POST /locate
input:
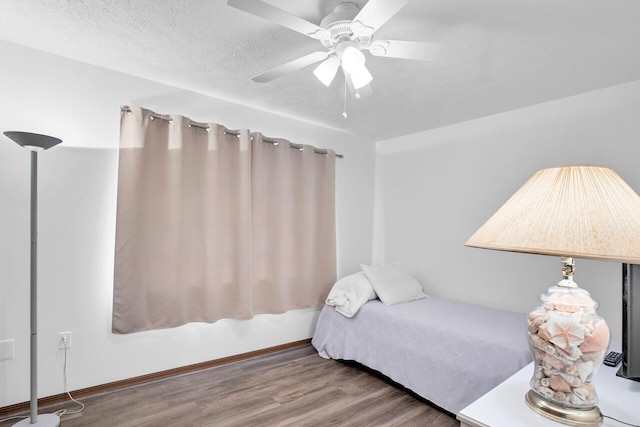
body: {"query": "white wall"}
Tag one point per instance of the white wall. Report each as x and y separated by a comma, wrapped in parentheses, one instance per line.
(434, 189)
(81, 105)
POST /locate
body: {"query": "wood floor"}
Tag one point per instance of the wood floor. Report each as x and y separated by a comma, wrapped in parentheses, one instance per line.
(290, 388)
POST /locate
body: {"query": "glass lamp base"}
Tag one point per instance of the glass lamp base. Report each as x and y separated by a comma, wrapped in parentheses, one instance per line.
(565, 415)
(568, 340)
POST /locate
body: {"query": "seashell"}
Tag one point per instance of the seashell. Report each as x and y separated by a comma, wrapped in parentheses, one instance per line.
(567, 308)
(546, 392)
(571, 370)
(567, 377)
(563, 358)
(554, 368)
(598, 340)
(538, 313)
(581, 392)
(565, 332)
(575, 400)
(579, 301)
(544, 382)
(590, 322)
(585, 393)
(584, 369)
(575, 382)
(571, 353)
(561, 397)
(559, 384)
(543, 332)
(560, 364)
(592, 393)
(564, 302)
(538, 343)
(576, 317)
(535, 323)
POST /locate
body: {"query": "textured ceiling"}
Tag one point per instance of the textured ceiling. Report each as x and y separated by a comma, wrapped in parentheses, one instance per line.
(517, 53)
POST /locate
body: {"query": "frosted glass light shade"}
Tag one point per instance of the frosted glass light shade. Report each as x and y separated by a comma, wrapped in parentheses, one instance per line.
(573, 211)
(326, 71)
(352, 59)
(361, 78)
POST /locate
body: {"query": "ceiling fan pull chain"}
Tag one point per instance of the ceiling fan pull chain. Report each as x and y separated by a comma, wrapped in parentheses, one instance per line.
(344, 112)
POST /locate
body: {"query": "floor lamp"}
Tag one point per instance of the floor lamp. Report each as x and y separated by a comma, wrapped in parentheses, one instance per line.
(35, 143)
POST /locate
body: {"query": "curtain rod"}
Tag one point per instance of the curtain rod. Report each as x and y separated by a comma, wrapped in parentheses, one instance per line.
(207, 128)
(275, 141)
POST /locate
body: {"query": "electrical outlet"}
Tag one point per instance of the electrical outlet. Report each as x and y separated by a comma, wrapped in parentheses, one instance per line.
(64, 340)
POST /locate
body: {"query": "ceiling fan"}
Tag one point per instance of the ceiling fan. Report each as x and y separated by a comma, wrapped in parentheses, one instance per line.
(345, 33)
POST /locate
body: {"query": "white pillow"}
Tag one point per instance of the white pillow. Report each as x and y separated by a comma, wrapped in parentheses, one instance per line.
(350, 293)
(392, 284)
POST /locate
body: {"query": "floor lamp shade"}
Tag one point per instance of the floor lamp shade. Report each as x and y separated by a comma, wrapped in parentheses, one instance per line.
(571, 212)
(34, 142)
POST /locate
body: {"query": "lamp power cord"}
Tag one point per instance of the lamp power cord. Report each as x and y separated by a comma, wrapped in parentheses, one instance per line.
(65, 411)
(621, 422)
(60, 412)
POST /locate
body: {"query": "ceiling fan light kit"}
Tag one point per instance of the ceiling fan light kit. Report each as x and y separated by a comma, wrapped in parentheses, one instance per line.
(345, 34)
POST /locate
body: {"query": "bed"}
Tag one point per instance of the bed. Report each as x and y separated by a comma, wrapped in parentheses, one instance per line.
(449, 353)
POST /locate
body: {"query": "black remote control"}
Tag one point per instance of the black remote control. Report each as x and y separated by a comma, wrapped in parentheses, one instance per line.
(613, 358)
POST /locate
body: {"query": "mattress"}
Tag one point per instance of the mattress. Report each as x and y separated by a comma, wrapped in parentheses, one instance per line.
(447, 352)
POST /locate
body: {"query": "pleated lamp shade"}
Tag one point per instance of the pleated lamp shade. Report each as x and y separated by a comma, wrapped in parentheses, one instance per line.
(574, 211)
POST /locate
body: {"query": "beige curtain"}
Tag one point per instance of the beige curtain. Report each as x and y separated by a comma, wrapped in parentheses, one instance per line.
(293, 216)
(211, 225)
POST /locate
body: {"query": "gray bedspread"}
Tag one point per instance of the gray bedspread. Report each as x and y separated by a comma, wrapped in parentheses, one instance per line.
(448, 352)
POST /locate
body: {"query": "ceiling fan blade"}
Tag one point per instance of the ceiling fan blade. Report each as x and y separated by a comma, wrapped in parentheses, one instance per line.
(290, 67)
(281, 17)
(422, 51)
(374, 14)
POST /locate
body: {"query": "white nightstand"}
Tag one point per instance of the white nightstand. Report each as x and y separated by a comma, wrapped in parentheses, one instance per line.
(504, 406)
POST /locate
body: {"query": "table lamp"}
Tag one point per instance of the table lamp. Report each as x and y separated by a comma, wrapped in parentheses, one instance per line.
(571, 212)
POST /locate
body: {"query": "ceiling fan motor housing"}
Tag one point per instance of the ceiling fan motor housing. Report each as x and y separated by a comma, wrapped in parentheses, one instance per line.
(338, 23)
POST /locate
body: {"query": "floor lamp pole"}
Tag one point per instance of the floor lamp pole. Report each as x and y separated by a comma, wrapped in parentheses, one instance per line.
(34, 288)
(34, 143)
